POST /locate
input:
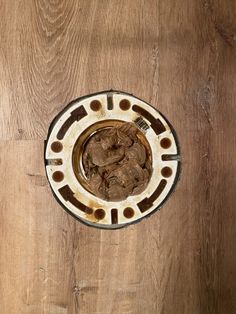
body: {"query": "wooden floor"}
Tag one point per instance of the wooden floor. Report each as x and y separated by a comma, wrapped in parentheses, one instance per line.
(181, 57)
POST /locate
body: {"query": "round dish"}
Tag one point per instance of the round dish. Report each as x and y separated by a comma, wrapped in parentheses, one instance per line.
(70, 131)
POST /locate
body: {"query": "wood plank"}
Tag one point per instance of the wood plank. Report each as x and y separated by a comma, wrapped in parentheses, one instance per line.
(36, 235)
(70, 49)
(197, 66)
(181, 57)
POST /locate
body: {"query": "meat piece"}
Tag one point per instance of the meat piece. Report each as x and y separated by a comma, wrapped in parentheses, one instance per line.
(116, 163)
(97, 185)
(102, 157)
(106, 170)
(123, 174)
(95, 182)
(129, 129)
(114, 155)
(140, 188)
(142, 183)
(123, 139)
(116, 192)
(108, 138)
(148, 165)
(137, 152)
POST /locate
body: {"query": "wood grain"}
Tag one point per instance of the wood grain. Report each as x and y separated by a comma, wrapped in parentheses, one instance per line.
(181, 57)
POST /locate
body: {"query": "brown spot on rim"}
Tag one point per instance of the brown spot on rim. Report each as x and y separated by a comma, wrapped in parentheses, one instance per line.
(99, 213)
(95, 105)
(166, 172)
(57, 176)
(125, 104)
(128, 212)
(165, 143)
(56, 147)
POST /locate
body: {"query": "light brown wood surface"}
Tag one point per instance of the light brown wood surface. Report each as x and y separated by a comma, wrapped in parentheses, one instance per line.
(181, 57)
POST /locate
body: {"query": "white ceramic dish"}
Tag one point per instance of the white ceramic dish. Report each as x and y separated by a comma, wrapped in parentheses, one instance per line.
(64, 146)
